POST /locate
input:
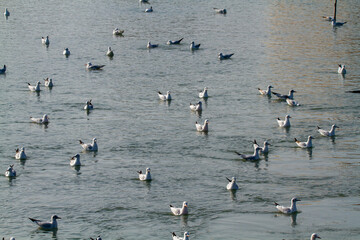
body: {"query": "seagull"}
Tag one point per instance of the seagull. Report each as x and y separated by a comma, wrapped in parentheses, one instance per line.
(204, 93)
(330, 133)
(292, 102)
(75, 160)
(196, 107)
(149, 9)
(193, 46)
(255, 156)
(307, 144)
(89, 146)
(174, 42)
(47, 225)
(186, 236)
(44, 119)
(144, 1)
(220, 10)
(166, 96)
(264, 149)
(98, 238)
(341, 69)
(204, 127)
(146, 176)
(327, 18)
(109, 52)
(267, 91)
(89, 66)
(221, 56)
(10, 172)
(20, 154)
(232, 184)
(149, 45)
(88, 105)
(180, 211)
(6, 13)
(334, 23)
(314, 236)
(3, 70)
(66, 52)
(45, 41)
(288, 210)
(48, 83)
(283, 97)
(118, 32)
(35, 88)
(284, 123)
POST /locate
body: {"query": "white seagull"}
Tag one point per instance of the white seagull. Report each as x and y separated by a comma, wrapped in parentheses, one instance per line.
(284, 123)
(292, 102)
(314, 236)
(288, 210)
(341, 69)
(149, 9)
(220, 10)
(88, 105)
(6, 13)
(118, 32)
(48, 83)
(10, 172)
(89, 146)
(202, 127)
(193, 46)
(204, 93)
(174, 42)
(186, 236)
(149, 45)
(89, 66)
(221, 56)
(283, 97)
(266, 92)
(75, 160)
(45, 41)
(232, 184)
(330, 133)
(35, 88)
(180, 211)
(166, 96)
(146, 176)
(44, 119)
(3, 70)
(109, 52)
(66, 52)
(307, 144)
(264, 149)
(255, 156)
(20, 154)
(196, 107)
(47, 225)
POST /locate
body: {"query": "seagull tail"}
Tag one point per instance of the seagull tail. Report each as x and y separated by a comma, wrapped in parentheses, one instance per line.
(237, 153)
(318, 127)
(228, 179)
(171, 205)
(295, 140)
(81, 142)
(173, 234)
(276, 204)
(33, 219)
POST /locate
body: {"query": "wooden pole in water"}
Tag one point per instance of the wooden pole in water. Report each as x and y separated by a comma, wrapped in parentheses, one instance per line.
(335, 10)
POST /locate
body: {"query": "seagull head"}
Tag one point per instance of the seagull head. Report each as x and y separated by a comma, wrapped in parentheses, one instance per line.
(94, 140)
(233, 179)
(199, 102)
(270, 86)
(205, 88)
(293, 200)
(310, 137)
(292, 91)
(147, 170)
(185, 204)
(287, 116)
(77, 156)
(54, 217)
(168, 92)
(267, 143)
(22, 149)
(314, 236)
(334, 126)
(206, 121)
(89, 64)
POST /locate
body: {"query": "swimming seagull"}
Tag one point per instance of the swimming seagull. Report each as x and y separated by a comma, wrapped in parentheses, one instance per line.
(284, 123)
(98, 238)
(66, 52)
(75, 160)
(283, 96)
(221, 56)
(118, 32)
(149, 9)
(20, 154)
(232, 184)
(89, 146)
(89, 66)
(10, 172)
(109, 52)
(202, 127)
(48, 83)
(174, 42)
(267, 91)
(45, 41)
(292, 102)
(3, 70)
(220, 10)
(264, 149)
(47, 225)
(194, 47)
(196, 107)
(288, 210)
(146, 176)
(149, 45)
(44, 119)
(314, 236)
(186, 236)
(330, 133)
(6, 13)
(204, 93)
(180, 211)
(255, 156)
(35, 88)
(307, 144)
(166, 96)
(88, 105)
(341, 69)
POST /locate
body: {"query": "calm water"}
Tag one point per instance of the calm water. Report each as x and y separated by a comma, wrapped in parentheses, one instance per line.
(282, 43)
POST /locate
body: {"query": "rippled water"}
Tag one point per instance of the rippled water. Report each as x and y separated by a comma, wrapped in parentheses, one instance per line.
(282, 43)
